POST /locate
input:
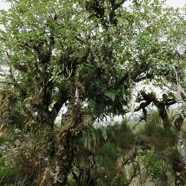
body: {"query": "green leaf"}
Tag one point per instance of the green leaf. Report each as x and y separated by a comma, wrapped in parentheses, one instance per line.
(111, 95)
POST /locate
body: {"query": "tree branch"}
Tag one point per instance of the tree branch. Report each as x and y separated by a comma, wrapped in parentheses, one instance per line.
(9, 83)
(116, 6)
(112, 14)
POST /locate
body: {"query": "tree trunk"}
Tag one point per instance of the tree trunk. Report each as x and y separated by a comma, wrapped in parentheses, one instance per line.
(179, 165)
(57, 172)
(179, 169)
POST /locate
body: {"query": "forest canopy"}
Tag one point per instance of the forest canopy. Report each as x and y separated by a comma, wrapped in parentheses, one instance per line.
(66, 65)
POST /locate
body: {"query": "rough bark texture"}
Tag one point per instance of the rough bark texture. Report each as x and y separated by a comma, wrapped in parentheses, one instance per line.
(179, 165)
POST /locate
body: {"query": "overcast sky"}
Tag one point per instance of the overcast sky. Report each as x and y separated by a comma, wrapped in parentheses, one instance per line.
(174, 3)
(4, 5)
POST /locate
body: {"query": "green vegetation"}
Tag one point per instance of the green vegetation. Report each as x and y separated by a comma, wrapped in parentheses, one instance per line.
(68, 66)
(7, 173)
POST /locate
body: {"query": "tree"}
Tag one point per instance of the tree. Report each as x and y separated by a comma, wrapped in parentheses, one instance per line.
(85, 56)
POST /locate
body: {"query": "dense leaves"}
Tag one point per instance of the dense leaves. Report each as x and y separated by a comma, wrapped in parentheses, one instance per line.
(69, 64)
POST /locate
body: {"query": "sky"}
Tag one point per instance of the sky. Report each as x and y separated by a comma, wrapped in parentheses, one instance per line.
(4, 5)
(173, 3)
(176, 3)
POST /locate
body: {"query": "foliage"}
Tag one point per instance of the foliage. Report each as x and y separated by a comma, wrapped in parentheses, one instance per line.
(77, 62)
(7, 173)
